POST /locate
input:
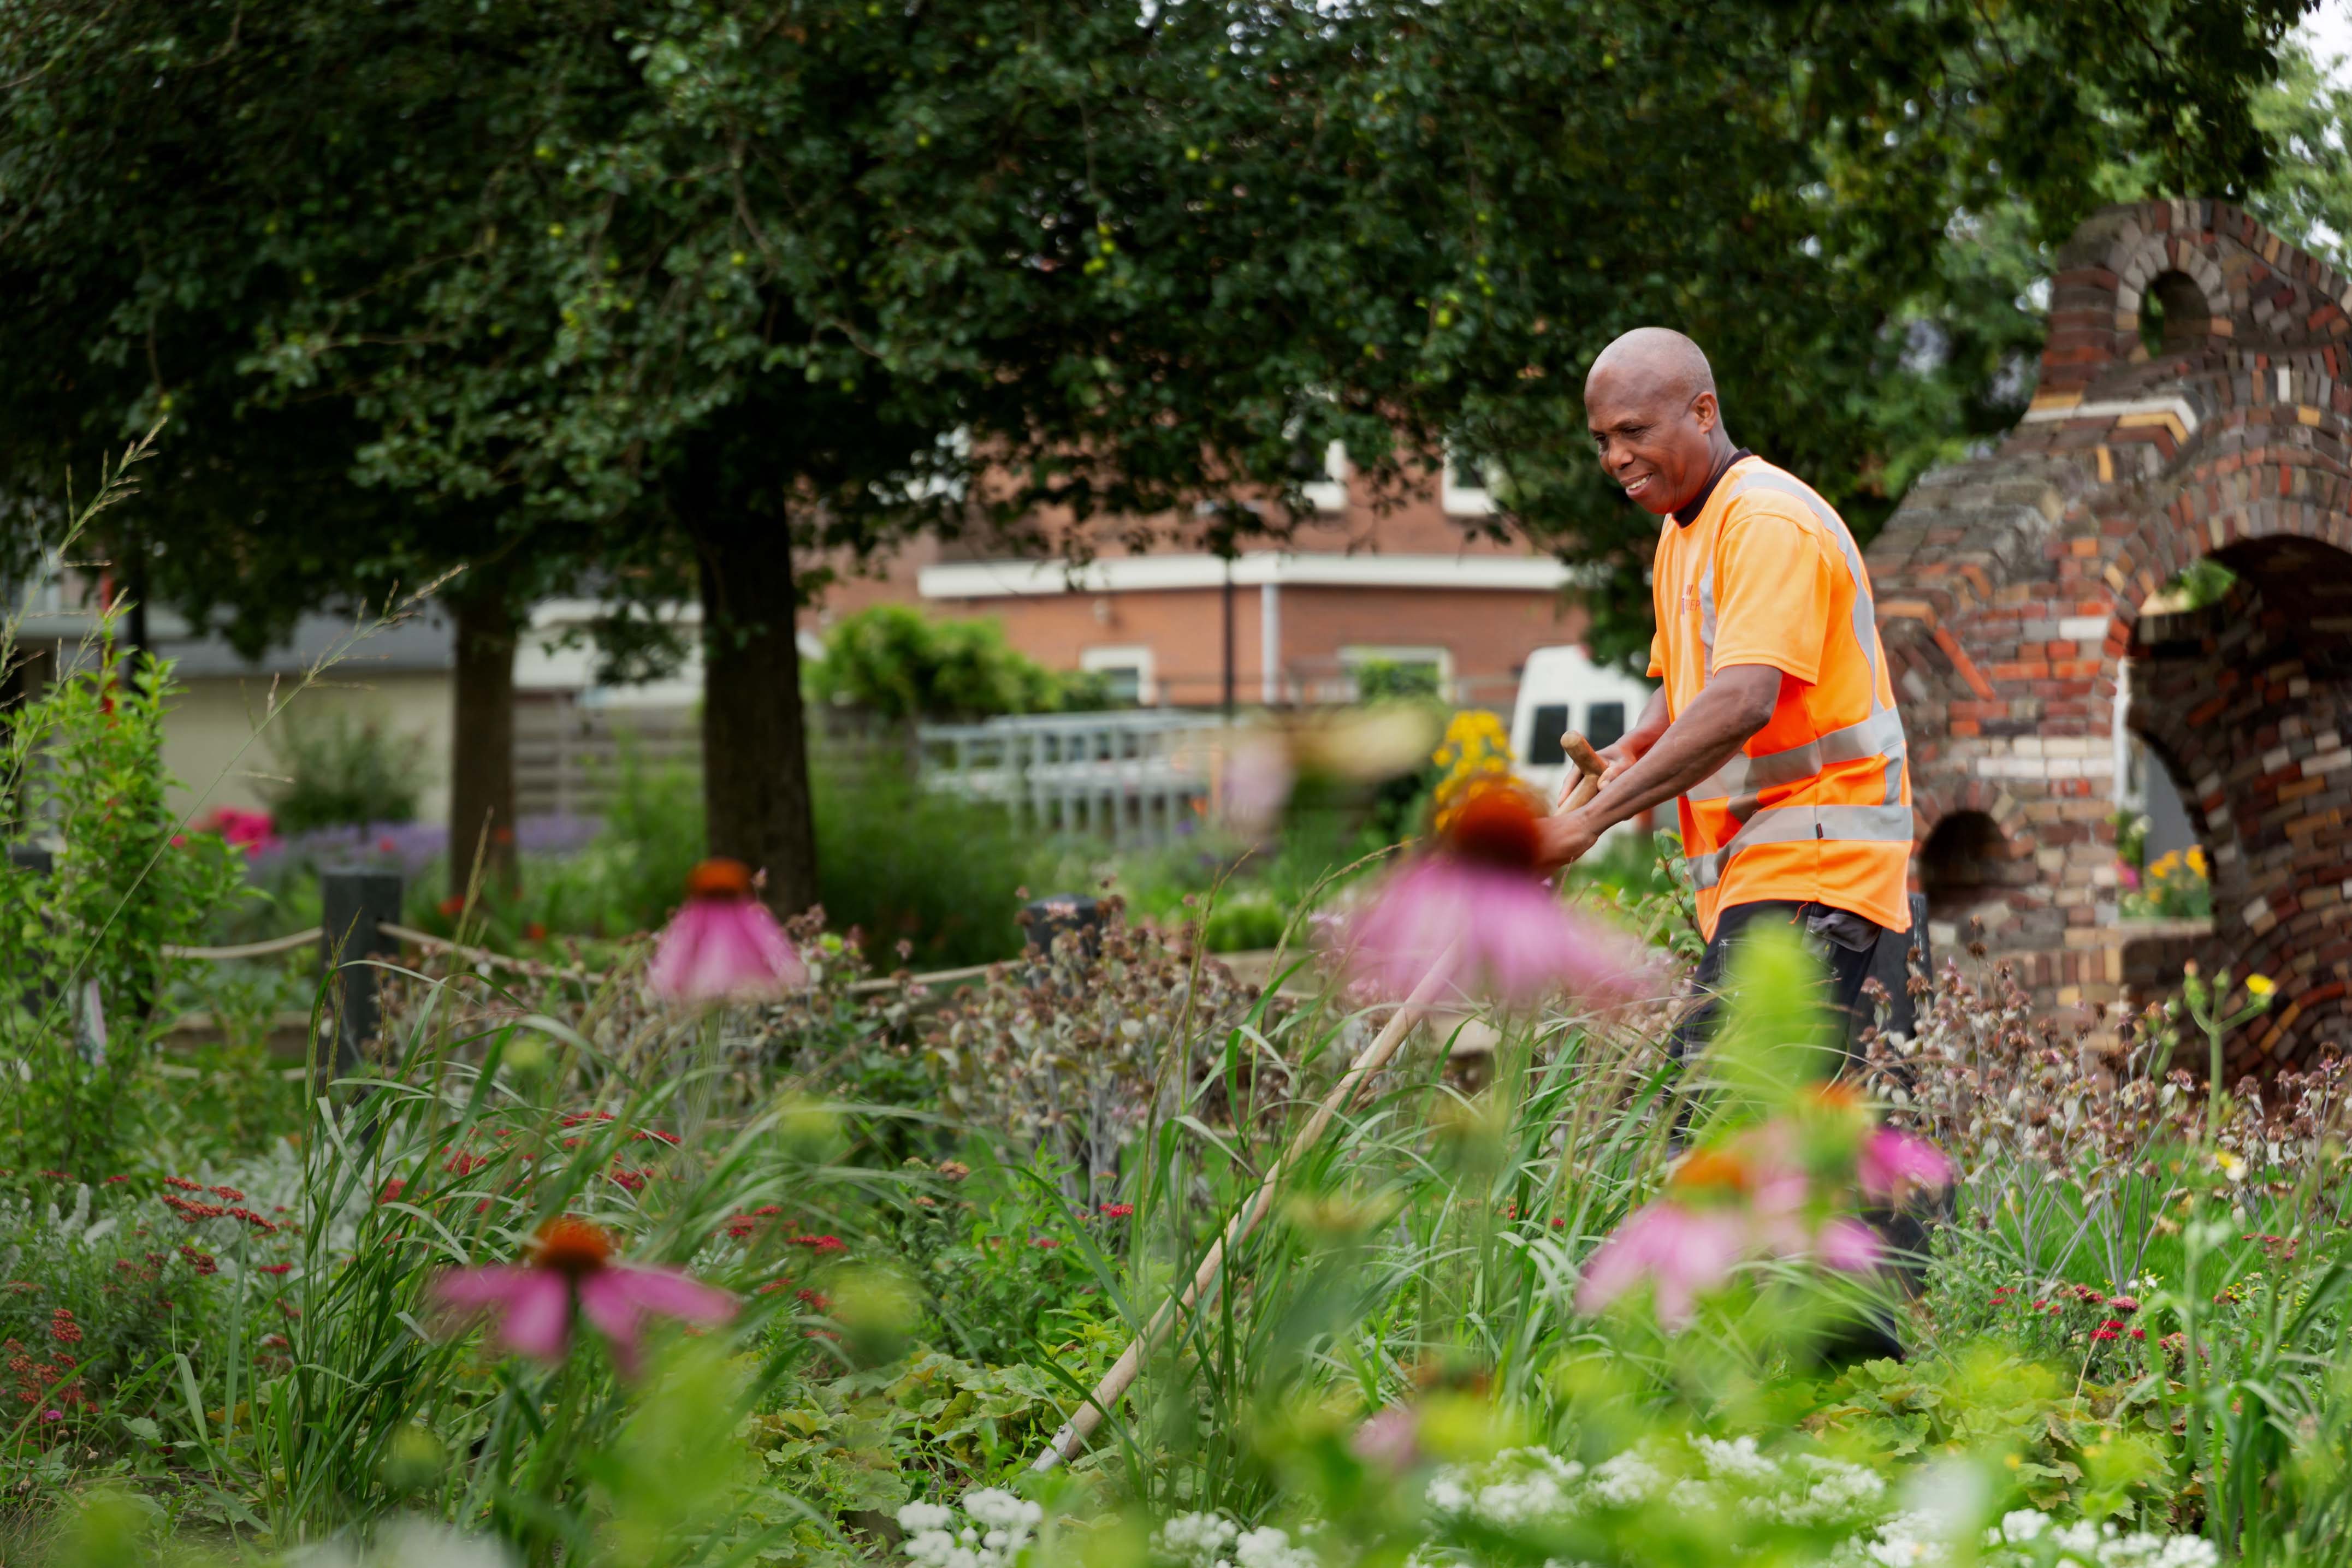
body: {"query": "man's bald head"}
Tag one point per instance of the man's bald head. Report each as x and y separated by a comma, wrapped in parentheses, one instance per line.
(1651, 404)
(1656, 357)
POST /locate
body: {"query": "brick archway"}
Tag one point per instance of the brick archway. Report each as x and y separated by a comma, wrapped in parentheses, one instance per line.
(2011, 590)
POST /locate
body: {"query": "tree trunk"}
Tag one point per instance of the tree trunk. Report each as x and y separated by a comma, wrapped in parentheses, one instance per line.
(755, 775)
(481, 753)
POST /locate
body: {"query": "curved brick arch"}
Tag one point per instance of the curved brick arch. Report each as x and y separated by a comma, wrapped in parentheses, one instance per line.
(2011, 590)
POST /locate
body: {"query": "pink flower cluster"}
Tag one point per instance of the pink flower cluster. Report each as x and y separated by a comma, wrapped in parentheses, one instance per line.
(252, 832)
(1475, 913)
(723, 944)
(1753, 1197)
(571, 1274)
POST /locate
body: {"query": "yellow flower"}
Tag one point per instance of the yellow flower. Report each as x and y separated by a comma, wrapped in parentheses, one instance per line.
(2260, 987)
(2197, 858)
(1476, 754)
(2229, 1166)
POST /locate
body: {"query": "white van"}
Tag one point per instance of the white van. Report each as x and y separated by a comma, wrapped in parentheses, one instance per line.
(1562, 689)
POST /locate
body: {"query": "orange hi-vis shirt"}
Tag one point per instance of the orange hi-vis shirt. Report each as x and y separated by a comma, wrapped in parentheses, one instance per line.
(1817, 806)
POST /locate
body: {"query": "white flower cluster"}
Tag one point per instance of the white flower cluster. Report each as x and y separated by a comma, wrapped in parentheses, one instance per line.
(2027, 1538)
(1213, 1541)
(1527, 1485)
(996, 1530)
(1734, 1480)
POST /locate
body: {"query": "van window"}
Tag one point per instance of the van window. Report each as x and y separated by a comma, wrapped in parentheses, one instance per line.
(1605, 724)
(1544, 735)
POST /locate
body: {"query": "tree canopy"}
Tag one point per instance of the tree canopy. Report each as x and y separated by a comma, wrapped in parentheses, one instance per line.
(680, 291)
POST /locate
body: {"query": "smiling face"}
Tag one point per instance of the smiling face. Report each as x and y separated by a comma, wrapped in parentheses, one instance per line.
(1655, 419)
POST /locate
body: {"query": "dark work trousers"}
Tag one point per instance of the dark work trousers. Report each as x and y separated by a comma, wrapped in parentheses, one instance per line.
(1846, 944)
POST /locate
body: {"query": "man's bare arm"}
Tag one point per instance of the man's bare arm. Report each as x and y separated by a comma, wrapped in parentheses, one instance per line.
(1738, 701)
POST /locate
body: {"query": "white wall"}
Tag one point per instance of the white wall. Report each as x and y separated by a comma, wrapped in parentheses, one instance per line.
(215, 745)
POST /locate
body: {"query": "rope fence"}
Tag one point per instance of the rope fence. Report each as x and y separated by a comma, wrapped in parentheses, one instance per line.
(531, 967)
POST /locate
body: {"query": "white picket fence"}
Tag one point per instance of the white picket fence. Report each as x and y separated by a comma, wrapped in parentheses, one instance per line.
(1134, 776)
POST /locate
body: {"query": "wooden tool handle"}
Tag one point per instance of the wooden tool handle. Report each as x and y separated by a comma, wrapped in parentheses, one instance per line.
(1588, 763)
(1066, 1442)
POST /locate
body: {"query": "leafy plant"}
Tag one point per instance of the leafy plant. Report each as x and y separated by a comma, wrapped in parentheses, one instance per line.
(84, 945)
(901, 665)
(343, 772)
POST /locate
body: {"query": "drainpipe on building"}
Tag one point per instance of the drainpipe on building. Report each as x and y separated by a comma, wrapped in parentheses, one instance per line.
(1229, 636)
(1269, 643)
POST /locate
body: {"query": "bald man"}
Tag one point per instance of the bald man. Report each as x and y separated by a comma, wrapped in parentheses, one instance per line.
(1774, 721)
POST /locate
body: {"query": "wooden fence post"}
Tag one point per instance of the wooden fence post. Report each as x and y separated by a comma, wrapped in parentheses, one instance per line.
(354, 904)
(37, 862)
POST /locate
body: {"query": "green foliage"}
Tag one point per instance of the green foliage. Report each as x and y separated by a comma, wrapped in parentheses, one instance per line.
(2309, 197)
(905, 864)
(342, 770)
(862, 1444)
(901, 665)
(1244, 922)
(1385, 680)
(638, 265)
(83, 946)
(2079, 1448)
(96, 1298)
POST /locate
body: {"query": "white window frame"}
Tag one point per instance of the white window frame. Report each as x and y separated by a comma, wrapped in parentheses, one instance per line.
(1136, 656)
(1461, 500)
(1330, 494)
(1356, 654)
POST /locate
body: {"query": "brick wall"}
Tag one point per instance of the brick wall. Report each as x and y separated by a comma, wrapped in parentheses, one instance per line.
(1489, 633)
(2010, 587)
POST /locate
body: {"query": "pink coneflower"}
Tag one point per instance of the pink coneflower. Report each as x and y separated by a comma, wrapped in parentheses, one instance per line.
(1390, 1440)
(1477, 908)
(1895, 1162)
(723, 944)
(1720, 1205)
(1681, 1251)
(571, 1265)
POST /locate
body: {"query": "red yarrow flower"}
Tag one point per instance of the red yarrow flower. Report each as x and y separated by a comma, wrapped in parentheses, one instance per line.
(2104, 1333)
(1117, 1210)
(723, 944)
(570, 1273)
(1476, 914)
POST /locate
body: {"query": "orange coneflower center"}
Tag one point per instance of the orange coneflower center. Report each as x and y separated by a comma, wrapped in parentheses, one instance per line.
(720, 877)
(1837, 1095)
(1709, 1173)
(570, 1245)
(1496, 825)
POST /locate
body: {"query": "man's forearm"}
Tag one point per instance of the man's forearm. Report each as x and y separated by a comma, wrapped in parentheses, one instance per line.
(1703, 739)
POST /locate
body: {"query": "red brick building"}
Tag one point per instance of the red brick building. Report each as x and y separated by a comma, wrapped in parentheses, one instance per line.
(1284, 624)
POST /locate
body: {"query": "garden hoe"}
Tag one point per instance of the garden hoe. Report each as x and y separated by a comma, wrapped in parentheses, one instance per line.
(1066, 1442)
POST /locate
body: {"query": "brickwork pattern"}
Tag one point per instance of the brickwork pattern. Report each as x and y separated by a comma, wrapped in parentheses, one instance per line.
(2010, 589)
